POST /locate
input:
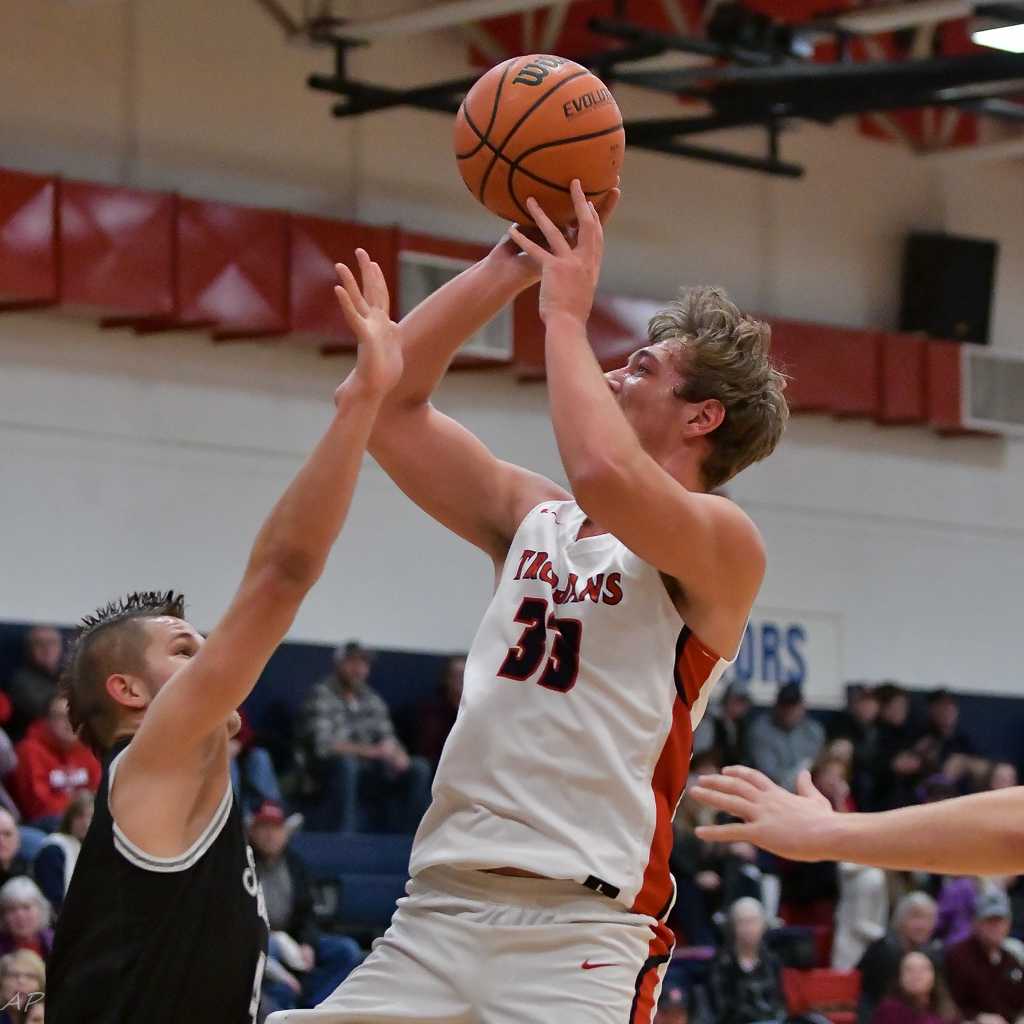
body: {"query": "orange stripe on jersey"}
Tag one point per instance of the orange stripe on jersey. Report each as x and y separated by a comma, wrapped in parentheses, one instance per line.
(659, 952)
(694, 666)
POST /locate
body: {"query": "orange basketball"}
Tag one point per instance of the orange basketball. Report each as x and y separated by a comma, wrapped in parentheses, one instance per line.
(531, 125)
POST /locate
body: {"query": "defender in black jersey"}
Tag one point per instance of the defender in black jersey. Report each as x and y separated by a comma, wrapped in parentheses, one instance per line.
(164, 922)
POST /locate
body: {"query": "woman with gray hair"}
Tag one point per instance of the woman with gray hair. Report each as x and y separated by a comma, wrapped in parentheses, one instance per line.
(24, 918)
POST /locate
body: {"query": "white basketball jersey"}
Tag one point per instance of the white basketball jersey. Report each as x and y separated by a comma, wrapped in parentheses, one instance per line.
(572, 744)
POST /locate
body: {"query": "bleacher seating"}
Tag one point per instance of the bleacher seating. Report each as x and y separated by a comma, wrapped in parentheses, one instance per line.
(357, 878)
(833, 994)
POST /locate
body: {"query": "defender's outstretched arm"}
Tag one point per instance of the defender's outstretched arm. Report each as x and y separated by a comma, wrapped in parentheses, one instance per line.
(288, 555)
(970, 835)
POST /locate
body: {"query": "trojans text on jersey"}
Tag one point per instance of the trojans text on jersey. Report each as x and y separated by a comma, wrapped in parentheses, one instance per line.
(536, 565)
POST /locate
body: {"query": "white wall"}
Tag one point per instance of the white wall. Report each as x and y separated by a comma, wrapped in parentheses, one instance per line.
(150, 462)
(129, 462)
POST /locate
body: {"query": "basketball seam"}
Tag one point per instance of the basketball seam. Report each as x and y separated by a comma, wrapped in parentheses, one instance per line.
(499, 151)
(514, 165)
(494, 115)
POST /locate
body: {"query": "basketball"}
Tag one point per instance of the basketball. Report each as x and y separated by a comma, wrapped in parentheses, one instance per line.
(531, 125)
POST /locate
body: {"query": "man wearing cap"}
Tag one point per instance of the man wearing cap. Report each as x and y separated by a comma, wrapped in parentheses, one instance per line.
(985, 978)
(349, 742)
(785, 742)
(321, 961)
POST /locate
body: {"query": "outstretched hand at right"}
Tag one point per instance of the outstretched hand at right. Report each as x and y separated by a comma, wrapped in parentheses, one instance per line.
(788, 824)
(368, 313)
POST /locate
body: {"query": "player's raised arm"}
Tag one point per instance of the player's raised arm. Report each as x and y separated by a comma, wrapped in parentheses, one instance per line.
(636, 459)
(287, 557)
(981, 834)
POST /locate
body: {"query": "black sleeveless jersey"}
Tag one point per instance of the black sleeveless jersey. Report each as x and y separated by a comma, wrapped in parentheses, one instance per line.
(149, 940)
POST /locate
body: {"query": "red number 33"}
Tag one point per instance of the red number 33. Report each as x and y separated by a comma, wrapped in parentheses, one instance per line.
(523, 660)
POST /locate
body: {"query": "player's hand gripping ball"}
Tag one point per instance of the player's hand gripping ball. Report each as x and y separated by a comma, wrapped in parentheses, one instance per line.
(531, 125)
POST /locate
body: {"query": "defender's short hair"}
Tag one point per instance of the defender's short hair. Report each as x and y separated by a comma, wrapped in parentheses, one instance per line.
(108, 641)
(726, 357)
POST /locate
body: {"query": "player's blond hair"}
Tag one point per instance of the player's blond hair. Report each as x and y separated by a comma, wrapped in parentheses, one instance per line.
(725, 355)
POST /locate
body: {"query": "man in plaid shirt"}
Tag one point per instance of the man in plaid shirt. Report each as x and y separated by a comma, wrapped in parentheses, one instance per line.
(350, 747)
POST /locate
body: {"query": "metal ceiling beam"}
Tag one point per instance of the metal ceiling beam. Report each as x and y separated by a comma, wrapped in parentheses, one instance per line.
(633, 33)
(773, 89)
(448, 15)
(727, 158)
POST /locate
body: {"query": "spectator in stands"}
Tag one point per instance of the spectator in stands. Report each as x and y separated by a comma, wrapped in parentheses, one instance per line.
(810, 891)
(725, 731)
(673, 1006)
(860, 726)
(913, 926)
(12, 861)
(785, 742)
(345, 726)
(708, 876)
(253, 778)
(920, 996)
(35, 1014)
(985, 978)
(322, 961)
(22, 978)
(53, 765)
(746, 977)
(56, 859)
(33, 684)
(863, 908)
(435, 716)
(958, 900)
(899, 764)
(8, 762)
(944, 747)
(1002, 775)
(24, 918)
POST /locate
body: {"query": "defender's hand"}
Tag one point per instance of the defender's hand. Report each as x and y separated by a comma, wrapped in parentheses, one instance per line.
(770, 817)
(368, 312)
(570, 266)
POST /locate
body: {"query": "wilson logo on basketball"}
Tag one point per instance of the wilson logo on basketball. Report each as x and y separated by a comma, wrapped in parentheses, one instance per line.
(535, 72)
(587, 101)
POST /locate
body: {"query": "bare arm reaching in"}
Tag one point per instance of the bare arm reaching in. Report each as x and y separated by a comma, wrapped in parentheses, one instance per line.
(178, 758)
(971, 835)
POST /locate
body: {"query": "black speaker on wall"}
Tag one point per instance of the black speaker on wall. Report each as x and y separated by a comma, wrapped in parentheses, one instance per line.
(947, 286)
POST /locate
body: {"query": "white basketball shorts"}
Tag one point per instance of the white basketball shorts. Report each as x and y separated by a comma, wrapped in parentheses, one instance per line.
(467, 947)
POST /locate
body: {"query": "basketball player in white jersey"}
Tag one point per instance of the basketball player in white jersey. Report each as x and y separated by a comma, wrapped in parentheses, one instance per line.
(540, 879)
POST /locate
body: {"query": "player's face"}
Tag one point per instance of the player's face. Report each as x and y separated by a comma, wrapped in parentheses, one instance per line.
(647, 390)
(172, 644)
